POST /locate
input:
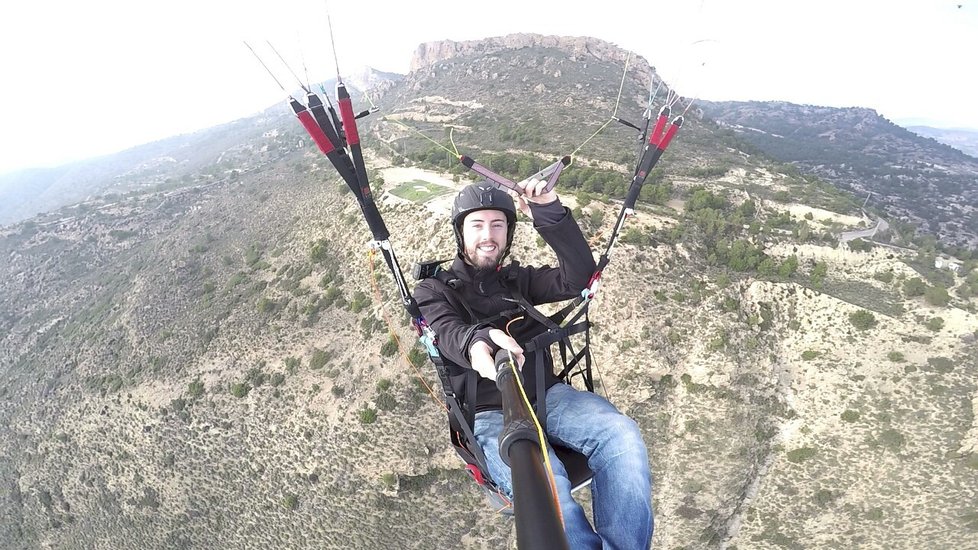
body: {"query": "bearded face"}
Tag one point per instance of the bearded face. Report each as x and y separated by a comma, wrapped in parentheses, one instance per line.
(484, 237)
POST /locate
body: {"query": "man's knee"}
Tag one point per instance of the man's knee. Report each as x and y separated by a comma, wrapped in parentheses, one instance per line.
(622, 437)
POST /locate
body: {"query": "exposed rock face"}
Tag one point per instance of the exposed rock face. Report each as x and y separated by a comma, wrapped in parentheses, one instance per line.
(430, 53)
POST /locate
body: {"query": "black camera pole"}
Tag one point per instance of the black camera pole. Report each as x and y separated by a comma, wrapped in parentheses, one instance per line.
(538, 525)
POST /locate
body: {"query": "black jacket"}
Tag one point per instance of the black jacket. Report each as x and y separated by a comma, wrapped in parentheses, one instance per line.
(488, 295)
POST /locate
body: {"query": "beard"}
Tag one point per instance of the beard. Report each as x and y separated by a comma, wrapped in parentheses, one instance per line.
(484, 263)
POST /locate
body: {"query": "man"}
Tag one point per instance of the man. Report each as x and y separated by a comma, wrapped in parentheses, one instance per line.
(470, 332)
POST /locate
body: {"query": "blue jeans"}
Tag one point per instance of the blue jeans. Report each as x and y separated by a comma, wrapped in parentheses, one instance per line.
(621, 489)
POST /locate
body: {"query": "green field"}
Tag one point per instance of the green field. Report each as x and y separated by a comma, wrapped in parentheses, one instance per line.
(420, 190)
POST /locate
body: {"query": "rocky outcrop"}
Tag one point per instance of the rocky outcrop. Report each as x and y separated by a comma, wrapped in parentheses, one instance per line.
(430, 53)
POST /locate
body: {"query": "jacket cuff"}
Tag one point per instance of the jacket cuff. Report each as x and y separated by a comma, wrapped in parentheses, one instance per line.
(479, 335)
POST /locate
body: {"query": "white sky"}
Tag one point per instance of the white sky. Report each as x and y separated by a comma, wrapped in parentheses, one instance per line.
(89, 77)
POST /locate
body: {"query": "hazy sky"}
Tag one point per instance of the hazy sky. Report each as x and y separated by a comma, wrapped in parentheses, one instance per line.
(89, 77)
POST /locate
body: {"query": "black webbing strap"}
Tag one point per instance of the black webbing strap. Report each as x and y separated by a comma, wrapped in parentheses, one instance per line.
(540, 344)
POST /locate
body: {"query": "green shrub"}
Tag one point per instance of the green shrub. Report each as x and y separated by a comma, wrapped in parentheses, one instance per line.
(819, 272)
(788, 268)
(417, 357)
(386, 402)
(895, 356)
(320, 251)
(319, 359)
(914, 287)
(290, 502)
(266, 305)
(884, 276)
(850, 415)
(721, 341)
(809, 354)
(368, 415)
(935, 323)
(367, 326)
(389, 348)
(240, 389)
(236, 280)
(937, 296)
(730, 304)
(862, 319)
(800, 455)
(292, 364)
(824, 497)
(256, 377)
(358, 302)
(196, 388)
(892, 439)
(942, 365)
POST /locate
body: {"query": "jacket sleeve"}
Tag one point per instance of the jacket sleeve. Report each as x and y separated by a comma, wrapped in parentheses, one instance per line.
(455, 334)
(575, 262)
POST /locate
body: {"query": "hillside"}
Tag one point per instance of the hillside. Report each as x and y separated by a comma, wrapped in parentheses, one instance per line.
(210, 366)
(909, 177)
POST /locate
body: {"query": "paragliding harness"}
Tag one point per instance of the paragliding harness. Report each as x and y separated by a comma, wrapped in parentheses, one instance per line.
(338, 139)
(459, 383)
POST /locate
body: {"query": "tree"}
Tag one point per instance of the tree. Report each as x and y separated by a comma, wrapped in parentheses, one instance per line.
(743, 256)
(702, 198)
(747, 210)
(914, 287)
(859, 245)
(767, 267)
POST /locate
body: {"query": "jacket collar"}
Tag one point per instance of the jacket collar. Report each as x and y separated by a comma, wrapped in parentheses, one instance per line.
(468, 274)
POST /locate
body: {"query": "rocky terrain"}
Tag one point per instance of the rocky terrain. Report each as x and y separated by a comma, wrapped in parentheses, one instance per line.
(222, 364)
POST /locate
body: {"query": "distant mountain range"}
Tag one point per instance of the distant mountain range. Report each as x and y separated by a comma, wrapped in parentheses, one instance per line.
(965, 140)
(912, 178)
